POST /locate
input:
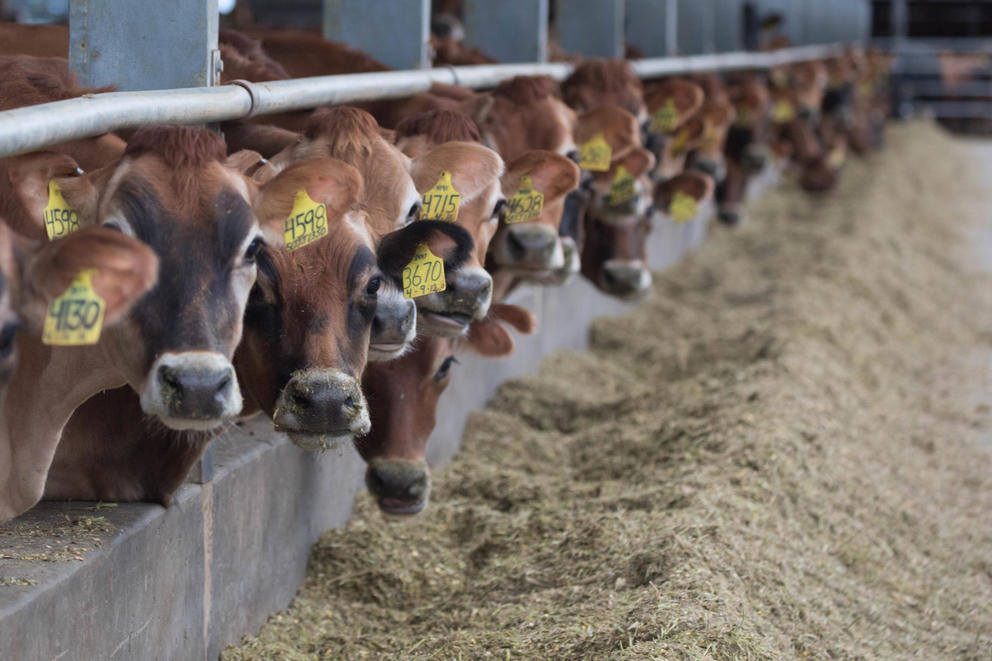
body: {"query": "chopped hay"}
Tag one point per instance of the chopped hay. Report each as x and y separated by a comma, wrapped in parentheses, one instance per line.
(778, 455)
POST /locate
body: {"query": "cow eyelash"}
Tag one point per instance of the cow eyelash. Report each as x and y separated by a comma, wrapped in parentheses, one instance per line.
(413, 213)
(255, 247)
(499, 209)
(372, 288)
(442, 371)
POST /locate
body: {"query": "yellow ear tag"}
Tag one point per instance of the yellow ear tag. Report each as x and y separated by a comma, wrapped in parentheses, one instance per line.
(622, 189)
(307, 221)
(442, 201)
(424, 274)
(680, 141)
(682, 207)
(59, 219)
(526, 204)
(665, 118)
(596, 154)
(783, 112)
(76, 317)
(836, 157)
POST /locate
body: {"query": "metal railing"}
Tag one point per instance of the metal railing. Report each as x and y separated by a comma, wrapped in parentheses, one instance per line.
(31, 128)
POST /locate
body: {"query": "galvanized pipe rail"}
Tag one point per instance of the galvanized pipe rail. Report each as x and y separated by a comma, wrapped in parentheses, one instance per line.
(28, 129)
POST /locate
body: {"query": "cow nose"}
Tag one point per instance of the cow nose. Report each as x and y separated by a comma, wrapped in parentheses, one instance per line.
(322, 402)
(400, 487)
(711, 167)
(471, 286)
(196, 393)
(625, 279)
(394, 323)
(532, 246)
(729, 217)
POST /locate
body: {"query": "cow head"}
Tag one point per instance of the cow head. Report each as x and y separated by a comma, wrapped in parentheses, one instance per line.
(173, 192)
(692, 184)
(403, 395)
(474, 173)
(419, 133)
(521, 114)
(528, 242)
(670, 104)
(598, 83)
(717, 117)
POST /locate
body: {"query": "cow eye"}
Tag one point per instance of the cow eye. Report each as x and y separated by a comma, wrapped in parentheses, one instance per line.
(442, 371)
(413, 213)
(251, 252)
(373, 287)
(499, 209)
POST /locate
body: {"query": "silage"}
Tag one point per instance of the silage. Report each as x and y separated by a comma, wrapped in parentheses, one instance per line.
(778, 455)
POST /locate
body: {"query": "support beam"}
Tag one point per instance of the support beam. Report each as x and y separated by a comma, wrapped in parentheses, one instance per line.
(652, 26)
(151, 46)
(593, 28)
(395, 32)
(514, 31)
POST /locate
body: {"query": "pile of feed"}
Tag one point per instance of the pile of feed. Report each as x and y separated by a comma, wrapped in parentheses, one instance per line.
(780, 454)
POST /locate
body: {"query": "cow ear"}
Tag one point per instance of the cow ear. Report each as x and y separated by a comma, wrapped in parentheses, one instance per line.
(490, 339)
(124, 269)
(553, 175)
(244, 161)
(397, 248)
(325, 181)
(637, 161)
(28, 178)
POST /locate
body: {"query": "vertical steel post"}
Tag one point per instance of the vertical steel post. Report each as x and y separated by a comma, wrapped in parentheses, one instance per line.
(395, 32)
(696, 21)
(899, 21)
(650, 25)
(510, 31)
(590, 27)
(144, 46)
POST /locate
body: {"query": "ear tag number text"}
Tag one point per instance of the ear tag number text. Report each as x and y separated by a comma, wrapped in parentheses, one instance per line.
(623, 187)
(307, 221)
(424, 274)
(783, 112)
(666, 118)
(596, 154)
(526, 204)
(59, 219)
(683, 207)
(442, 201)
(76, 317)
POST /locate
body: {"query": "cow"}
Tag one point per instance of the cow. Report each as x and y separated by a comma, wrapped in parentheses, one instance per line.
(745, 152)
(403, 396)
(670, 104)
(605, 82)
(307, 327)
(172, 191)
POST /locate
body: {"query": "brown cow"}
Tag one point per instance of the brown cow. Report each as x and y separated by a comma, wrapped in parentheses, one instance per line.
(403, 397)
(745, 151)
(172, 192)
(598, 83)
(670, 104)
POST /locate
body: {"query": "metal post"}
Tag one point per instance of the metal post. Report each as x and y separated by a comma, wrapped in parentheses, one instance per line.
(590, 27)
(651, 26)
(514, 31)
(899, 21)
(157, 45)
(395, 32)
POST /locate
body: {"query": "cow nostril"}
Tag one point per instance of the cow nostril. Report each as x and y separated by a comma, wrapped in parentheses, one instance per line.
(224, 383)
(349, 402)
(515, 245)
(169, 377)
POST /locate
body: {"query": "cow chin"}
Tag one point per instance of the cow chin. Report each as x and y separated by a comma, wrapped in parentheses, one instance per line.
(191, 390)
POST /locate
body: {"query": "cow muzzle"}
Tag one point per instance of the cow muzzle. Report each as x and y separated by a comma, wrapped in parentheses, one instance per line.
(714, 167)
(400, 487)
(466, 299)
(192, 390)
(628, 279)
(320, 408)
(529, 247)
(568, 270)
(394, 326)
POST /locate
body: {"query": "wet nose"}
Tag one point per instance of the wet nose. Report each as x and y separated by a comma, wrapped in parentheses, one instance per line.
(729, 216)
(394, 323)
(531, 246)
(399, 487)
(472, 288)
(711, 167)
(625, 279)
(324, 403)
(196, 392)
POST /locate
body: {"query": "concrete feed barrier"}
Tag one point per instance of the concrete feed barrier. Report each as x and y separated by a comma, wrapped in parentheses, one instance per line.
(183, 583)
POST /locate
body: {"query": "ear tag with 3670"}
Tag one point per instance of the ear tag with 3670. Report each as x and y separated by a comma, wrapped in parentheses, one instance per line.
(424, 274)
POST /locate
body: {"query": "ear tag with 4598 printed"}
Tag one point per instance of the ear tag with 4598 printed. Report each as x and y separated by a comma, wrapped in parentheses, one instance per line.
(442, 201)
(665, 118)
(424, 274)
(307, 221)
(683, 207)
(76, 317)
(596, 154)
(526, 204)
(60, 220)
